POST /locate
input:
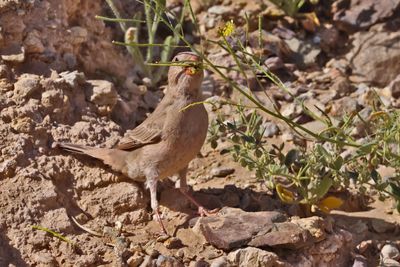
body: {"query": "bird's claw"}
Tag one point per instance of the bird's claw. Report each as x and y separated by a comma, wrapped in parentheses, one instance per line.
(203, 212)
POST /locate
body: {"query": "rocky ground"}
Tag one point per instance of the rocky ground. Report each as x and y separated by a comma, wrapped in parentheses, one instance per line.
(61, 79)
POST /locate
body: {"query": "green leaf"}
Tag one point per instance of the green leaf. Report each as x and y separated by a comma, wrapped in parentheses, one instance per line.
(367, 148)
(249, 139)
(322, 151)
(375, 176)
(395, 189)
(338, 163)
(231, 126)
(323, 186)
(166, 51)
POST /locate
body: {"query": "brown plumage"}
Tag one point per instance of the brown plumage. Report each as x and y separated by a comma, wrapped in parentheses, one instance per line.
(165, 143)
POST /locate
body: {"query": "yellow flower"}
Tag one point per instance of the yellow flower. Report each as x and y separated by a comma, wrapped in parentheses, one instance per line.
(285, 195)
(228, 29)
(330, 203)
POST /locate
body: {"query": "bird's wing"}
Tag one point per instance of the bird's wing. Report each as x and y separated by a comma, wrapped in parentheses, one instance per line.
(149, 132)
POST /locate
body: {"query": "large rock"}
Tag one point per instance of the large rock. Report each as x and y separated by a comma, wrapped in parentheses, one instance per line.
(26, 86)
(235, 228)
(361, 14)
(253, 257)
(334, 250)
(375, 57)
(286, 234)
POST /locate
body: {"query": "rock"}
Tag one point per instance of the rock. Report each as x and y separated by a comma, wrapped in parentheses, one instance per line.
(361, 14)
(17, 55)
(381, 226)
(329, 36)
(271, 129)
(389, 251)
(47, 196)
(23, 125)
(291, 111)
(114, 199)
(219, 262)
(57, 220)
(343, 106)
(73, 78)
(316, 226)
(334, 250)
(272, 45)
(221, 171)
(253, 257)
(342, 86)
(286, 234)
(26, 86)
(305, 52)
(360, 261)
(135, 260)
(44, 258)
(390, 263)
(147, 82)
(199, 263)
(287, 136)
(53, 99)
(7, 168)
(103, 94)
(235, 228)
(163, 261)
(274, 63)
(173, 243)
(394, 87)
(32, 42)
(78, 35)
(4, 72)
(219, 10)
(147, 261)
(374, 57)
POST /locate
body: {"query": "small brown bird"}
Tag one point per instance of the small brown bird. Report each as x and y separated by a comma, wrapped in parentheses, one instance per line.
(165, 143)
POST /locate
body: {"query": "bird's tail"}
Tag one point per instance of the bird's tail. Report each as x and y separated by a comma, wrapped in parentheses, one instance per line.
(80, 149)
(115, 158)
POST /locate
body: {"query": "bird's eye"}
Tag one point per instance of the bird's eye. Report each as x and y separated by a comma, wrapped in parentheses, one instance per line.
(176, 59)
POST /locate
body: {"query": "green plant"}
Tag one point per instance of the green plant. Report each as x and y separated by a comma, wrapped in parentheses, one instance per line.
(291, 7)
(306, 175)
(153, 11)
(299, 175)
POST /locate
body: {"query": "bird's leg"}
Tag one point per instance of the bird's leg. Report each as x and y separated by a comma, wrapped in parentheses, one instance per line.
(151, 184)
(183, 187)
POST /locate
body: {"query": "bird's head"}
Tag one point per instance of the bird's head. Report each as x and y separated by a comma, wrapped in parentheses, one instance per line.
(187, 77)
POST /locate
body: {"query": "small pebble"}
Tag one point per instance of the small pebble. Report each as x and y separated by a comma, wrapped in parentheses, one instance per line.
(221, 171)
(173, 243)
(390, 263)
(390, 251)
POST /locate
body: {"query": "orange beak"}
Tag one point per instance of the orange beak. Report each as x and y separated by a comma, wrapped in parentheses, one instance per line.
(190, 71)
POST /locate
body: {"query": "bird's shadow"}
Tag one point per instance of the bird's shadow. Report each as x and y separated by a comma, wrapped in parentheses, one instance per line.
(215, 198)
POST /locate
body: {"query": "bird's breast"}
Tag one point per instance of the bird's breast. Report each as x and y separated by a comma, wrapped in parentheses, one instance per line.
(183, 139)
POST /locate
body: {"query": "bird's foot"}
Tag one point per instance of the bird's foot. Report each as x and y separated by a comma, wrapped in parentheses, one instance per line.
(159, 220)
(203, 212)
